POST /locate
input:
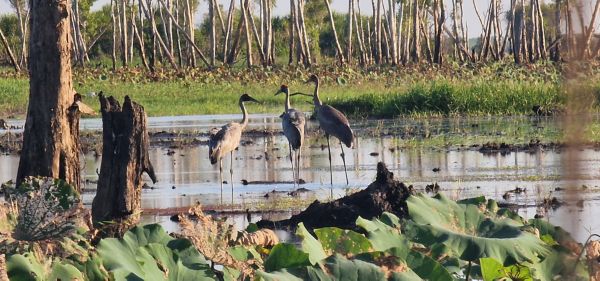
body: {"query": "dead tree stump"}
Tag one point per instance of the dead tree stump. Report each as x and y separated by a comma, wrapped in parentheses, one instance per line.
(385, 194)
(124, 160)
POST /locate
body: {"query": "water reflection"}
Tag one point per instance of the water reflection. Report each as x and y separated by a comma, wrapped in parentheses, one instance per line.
(186, 176)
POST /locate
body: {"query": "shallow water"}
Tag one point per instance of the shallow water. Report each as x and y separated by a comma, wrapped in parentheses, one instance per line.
(412, 149)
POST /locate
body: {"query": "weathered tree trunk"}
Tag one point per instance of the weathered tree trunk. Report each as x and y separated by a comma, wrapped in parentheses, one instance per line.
(51, 135)
(350, 21)
(125, 158)
(235, 46)
(541, 32)
(228, 30)
(257, 36)
(244, 6)
(590, 31)
(518, 35)
(555, 51)
(416, 44)
(212, 35)
(303, 33)
(12, 57)
(114, 34)
(292, 33)
(124, 33)
(338, 47)
(437, 53)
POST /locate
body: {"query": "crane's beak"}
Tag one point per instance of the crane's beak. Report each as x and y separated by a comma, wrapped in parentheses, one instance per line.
(279, 92)
(253, 100)
(302, 94)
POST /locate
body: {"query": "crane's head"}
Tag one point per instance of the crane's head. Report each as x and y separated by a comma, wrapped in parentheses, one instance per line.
(283, 89)
(246, 97)
(313, 78)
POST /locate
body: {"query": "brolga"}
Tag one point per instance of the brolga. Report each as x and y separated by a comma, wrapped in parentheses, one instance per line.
(227, 139)
(293, 122)
(333, 123)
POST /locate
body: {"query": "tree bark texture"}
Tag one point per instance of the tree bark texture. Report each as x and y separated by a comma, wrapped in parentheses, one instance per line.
(51, 134)
(124, 160)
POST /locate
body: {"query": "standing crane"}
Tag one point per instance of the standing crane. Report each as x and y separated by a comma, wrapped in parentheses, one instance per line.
(227, 139)
(333, 123)
(293, 122)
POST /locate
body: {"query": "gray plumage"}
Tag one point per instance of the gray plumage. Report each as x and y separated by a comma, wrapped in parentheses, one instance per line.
(224, 140)
(292, 122)
(335, 123)
(227, 139)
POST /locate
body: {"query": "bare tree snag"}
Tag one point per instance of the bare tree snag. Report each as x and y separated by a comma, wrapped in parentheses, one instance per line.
(124, 160)
(51, 135)
(12, 57)
(385, 194)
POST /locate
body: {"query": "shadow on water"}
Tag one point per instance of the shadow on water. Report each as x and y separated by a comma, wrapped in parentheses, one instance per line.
(419, 152)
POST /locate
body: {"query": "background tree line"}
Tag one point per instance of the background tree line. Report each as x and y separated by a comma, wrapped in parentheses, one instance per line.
(156, 33)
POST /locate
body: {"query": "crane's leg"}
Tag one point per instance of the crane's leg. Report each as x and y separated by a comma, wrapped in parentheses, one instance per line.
(221, 177)
(292, 162)
(231, 174)
(330, 167)
(344, 160)
(298, 153)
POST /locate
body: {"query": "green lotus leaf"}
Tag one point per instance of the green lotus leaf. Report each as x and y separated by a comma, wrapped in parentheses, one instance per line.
(338, 267)
(148, 253)
(285, 255)
(24, 267)
(343, 241)
(310, 245)
(27, 267)
(470, 231)
(63, 271)
(384, 234)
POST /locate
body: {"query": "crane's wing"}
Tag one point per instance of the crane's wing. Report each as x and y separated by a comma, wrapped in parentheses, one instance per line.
(293, 122)
(335, 123)
(223, 140)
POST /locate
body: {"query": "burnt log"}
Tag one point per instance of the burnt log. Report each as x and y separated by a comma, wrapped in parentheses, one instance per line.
(383, 195)
(125, 143)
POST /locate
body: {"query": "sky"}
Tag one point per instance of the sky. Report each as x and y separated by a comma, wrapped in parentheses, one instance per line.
(282, 8)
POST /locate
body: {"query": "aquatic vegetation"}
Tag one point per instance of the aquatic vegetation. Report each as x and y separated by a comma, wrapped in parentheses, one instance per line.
(46, 208)
(439, 239)
(149, 253)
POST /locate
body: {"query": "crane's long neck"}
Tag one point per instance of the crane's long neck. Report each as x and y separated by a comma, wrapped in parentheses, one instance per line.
(244, 114)
(316, 99)
(287, 101)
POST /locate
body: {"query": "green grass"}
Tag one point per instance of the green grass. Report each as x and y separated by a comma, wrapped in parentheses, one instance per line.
(495, 89)
(475, 97)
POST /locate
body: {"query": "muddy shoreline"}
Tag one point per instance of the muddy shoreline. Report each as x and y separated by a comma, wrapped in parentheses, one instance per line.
(91, 141)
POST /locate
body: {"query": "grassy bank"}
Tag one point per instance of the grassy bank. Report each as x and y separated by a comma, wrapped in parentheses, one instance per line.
(383, 93)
